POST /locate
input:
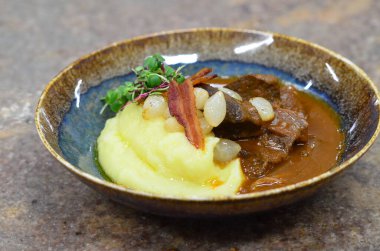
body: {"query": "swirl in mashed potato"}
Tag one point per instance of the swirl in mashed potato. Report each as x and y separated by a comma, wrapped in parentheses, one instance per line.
(140, 154)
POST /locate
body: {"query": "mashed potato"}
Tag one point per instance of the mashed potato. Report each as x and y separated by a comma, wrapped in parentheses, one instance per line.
(140, 154)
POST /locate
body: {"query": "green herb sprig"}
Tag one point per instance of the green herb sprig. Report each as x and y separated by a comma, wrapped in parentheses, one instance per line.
(152, 78)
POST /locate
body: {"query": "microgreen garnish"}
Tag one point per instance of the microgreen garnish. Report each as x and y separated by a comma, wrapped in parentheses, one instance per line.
(152, 78)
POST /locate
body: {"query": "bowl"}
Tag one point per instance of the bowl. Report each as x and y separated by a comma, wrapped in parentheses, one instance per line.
(68, 121)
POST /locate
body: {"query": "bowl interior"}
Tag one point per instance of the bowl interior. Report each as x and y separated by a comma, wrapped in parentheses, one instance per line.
(82, 123)
(68, 113)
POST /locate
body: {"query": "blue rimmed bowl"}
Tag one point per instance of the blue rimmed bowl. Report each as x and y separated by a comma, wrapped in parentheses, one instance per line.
(68, 121)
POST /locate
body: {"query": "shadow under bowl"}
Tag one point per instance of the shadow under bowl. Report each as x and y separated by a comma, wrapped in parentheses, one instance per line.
(68, 121)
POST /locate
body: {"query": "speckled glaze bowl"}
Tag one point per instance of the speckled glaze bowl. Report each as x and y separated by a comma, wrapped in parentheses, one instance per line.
(68, 120)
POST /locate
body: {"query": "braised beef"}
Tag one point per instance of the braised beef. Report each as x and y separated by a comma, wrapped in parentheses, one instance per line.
(240, 131)
(268, 87)
(268, 149)
(253, 164)
(272, 141)
(249, 86)
(289, 99)
(288, 123)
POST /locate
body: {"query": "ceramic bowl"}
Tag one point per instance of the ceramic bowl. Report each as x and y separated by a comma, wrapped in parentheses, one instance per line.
(68, 120)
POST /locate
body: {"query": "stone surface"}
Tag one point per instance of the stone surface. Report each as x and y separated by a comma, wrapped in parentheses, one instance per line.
(43, 207)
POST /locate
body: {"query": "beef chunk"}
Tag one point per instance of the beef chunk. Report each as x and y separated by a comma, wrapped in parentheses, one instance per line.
(288, 123)
(274, 148)
(254, 165)
(240, 131)
(289, 99)
(249, 86)
(263, 153)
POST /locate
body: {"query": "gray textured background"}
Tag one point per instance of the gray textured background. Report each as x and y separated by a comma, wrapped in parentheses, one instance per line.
(43, 207)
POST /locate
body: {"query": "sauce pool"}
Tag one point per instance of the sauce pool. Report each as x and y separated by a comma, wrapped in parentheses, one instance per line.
(307, 160)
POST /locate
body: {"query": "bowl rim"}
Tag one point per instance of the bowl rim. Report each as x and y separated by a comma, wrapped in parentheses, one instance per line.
(222, 199)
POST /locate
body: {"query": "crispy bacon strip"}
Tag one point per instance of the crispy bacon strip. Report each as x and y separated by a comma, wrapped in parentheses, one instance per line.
(200, 76)
(181, 101)
(203, 80)
(202, 72)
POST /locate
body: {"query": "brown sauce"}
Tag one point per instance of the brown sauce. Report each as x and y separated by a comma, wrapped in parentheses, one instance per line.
(306, 160)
